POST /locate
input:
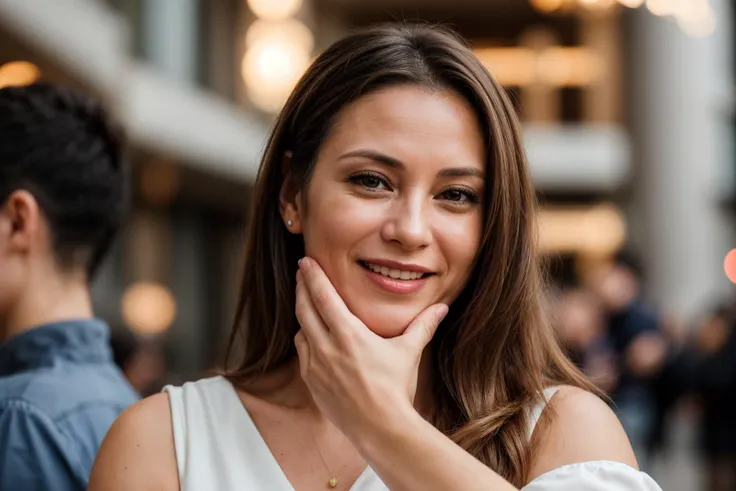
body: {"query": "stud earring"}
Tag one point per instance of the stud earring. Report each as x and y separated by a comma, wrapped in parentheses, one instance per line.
(289, 223)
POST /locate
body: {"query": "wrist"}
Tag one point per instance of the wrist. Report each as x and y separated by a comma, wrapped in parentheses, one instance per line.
(389, 427)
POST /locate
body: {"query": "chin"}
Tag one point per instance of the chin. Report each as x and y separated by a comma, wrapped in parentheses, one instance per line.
(388, 321)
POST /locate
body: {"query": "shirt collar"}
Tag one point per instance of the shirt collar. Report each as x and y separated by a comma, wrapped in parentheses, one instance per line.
(76, 341)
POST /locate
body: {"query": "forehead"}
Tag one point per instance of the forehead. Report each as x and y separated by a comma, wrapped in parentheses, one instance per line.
(411, 123)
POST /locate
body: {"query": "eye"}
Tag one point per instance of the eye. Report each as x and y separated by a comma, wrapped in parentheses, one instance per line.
(459, 195)
(370, 180)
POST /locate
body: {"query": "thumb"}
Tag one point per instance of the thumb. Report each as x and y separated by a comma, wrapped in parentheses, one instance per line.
(422, 328)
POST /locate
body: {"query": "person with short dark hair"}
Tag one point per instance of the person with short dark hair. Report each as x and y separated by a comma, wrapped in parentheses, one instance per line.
(62, 201)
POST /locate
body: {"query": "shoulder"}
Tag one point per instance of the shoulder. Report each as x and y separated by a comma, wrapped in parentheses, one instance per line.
(71, 389)
(138, 451)
(579, 427)
(28, 423)
(35, 451)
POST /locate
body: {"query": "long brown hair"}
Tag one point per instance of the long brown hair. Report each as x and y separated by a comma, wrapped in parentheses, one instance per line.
(495, 352)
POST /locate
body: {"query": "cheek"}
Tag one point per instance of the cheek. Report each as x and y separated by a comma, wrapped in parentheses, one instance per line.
(460, 241)
(336, 222)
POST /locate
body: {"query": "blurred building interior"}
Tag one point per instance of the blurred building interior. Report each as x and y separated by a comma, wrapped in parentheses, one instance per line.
(628, 137)
(628, 121)
(627, 105)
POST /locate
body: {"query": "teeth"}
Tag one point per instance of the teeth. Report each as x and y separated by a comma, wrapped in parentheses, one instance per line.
(396, 274)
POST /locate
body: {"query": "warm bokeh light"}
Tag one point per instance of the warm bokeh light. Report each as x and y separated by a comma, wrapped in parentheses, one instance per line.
(512, 67)
(597, 230)
(569, 67)
(291, 30)
(271, 70)
(274, 9)
(597, 5)
(556, 66)
(605, 229)
(729, 265)
(661, 7)
(17, 73)
(632, 4)
(277, 55)
(148, 308)
(697, 20)
(548, 5)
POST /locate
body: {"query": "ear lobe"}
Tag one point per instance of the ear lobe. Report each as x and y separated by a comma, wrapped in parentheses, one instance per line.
(289, 196)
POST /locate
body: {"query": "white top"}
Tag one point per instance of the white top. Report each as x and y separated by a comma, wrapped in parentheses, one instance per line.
(218, 447)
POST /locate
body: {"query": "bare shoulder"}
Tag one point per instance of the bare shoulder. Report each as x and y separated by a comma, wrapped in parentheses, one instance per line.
(582, 428)
(138, 451)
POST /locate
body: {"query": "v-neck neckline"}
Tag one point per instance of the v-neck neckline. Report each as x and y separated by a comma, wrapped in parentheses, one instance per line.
(275, 470)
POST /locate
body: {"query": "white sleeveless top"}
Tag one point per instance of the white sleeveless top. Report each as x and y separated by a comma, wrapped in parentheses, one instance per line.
(218, 447)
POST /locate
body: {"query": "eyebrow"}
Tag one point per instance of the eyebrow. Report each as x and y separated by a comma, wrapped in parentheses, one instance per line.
(397, 164)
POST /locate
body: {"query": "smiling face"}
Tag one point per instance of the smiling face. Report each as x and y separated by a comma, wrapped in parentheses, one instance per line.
(393, 210)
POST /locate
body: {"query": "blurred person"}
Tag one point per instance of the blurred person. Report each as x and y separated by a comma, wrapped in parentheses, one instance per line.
(634, 331)
(62, 192)
(394, 185)
(579, 324)
(713, 372)
(142, 361)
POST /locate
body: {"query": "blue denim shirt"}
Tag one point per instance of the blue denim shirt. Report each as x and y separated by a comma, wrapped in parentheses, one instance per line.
(59, 394)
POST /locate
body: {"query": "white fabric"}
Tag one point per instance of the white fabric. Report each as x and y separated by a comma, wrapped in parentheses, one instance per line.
(536, 410)
(218, 447)
(593, 476)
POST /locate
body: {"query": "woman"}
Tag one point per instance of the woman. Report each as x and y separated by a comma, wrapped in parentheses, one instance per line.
(396, 171)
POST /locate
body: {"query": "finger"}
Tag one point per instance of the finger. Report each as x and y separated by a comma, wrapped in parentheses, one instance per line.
(422, 328)
(302, 349)
(309, 319)
(329, 305)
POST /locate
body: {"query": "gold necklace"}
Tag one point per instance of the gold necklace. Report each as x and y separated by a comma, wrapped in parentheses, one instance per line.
(332, 482)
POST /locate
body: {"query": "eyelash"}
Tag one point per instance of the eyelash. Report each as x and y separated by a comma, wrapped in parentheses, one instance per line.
(470, 196)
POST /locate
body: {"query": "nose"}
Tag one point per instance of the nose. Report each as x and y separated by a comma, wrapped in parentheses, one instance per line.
(407, 223)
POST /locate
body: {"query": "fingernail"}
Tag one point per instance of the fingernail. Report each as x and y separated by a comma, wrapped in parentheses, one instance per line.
(441, 312)
(304, 265)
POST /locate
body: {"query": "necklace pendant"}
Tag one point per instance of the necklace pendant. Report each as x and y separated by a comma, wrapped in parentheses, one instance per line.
(332, 482)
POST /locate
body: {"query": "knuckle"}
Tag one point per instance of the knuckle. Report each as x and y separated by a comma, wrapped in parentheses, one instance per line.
(324, 352)
(351, 336)
(300, 310)
(321, 296)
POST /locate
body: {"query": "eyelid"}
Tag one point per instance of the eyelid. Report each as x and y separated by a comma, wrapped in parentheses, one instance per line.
(369, 173)
(471, 195)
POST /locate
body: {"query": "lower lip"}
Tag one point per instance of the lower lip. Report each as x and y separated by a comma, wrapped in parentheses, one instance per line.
(396, 286)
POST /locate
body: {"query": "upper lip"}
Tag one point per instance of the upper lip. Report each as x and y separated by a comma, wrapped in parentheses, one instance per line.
(398, 265)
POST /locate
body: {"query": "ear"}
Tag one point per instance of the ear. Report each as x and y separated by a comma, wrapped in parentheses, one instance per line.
(21, 221)
(289, 198)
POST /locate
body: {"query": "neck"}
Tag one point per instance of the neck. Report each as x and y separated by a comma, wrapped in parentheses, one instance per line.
(52, 299)
(285, 387)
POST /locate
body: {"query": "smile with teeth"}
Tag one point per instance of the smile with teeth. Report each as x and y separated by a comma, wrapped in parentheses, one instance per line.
(396, 274)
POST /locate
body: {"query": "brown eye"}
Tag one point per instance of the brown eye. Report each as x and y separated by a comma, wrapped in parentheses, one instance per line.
(458, 195)
(370, 181)
(373, 182)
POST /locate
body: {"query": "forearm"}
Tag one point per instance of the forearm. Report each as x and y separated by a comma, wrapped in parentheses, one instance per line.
(409, 454)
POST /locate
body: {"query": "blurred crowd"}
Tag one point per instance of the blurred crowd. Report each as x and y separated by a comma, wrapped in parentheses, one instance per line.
(652, 366)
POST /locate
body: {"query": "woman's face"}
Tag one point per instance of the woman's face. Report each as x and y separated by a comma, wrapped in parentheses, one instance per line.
(393, 211)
